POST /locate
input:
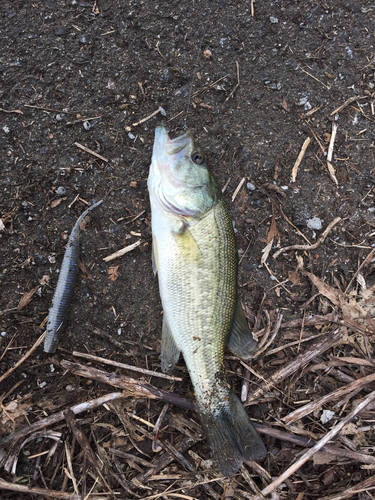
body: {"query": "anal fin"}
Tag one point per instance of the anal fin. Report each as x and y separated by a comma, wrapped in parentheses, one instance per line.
(169, 350)
(241, 340)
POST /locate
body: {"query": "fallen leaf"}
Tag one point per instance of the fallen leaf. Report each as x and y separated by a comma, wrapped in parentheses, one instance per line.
(112, 273)
(84, 270)
(273, 231)
(328, 291)
(266, 251)
(56, 203)
(26, 298)
(285, 105)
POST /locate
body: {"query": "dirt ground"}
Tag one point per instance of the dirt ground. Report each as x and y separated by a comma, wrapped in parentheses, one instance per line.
(78, 72)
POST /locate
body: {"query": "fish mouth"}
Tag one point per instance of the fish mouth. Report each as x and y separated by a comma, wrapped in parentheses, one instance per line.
(173, 149)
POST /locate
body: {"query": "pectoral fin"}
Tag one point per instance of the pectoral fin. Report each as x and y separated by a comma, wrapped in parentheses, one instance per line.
(169, 350)
(187, 244)
(155, 256)
(241, 341)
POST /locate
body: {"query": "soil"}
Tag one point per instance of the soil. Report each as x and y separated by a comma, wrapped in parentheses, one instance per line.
(84, 72)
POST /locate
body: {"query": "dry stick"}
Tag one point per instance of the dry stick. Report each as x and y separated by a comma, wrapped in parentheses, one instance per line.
(131, 386)
(276, 330)
(51, 109)
(11, 111)
(123, 251)
(305, 145)
(357, 488)
(332, 141)
(309, 443)
(309, 247)
(317, 140)
(238, 83)
(160, 110)
(306, 409)
(47, 493)
(238, 188)
(19, 362)
(314, 77)
(85, 445)
(299, 362)
(187, 404)
(58, 417)
(305, 457)
(90, 151)
(83, 120)
(126, 367)
(346, 103)
(364, 263)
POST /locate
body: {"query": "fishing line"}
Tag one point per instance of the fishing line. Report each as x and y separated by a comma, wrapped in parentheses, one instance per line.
(194, 70)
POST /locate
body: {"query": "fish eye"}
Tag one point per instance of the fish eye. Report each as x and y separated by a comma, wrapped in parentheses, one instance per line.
(197, 158)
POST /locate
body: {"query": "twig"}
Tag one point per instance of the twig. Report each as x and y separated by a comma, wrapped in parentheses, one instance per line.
(238, 188)
(51, 109)
(346, 103)
(46, 493)
(314, 405)
(322, 148)
(19, 362)
(298, 363)
(357, 488)
(126, 367)
(129, 385)
(309, 247)
(332, 141)
(305, 145)
(58, 417)
(85, 445)
(90, 151)
(309, 443)
(238, 82)
(314, 77)
(305, 457)
(160, 110)
(83, 120)
(364, 263)
(123, 251)
(275, 332)
(11, 111)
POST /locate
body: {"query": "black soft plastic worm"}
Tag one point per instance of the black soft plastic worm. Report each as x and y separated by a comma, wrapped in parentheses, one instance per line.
(58, 314)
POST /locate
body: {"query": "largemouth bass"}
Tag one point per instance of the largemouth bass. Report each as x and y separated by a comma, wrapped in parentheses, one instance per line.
(195, 257)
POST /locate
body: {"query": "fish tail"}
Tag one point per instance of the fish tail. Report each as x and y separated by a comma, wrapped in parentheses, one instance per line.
(230, 433)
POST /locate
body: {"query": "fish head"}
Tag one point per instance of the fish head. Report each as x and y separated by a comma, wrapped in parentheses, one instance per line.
(180, 180)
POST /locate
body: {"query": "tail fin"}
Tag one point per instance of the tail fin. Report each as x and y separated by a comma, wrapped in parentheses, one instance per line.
(231, 434)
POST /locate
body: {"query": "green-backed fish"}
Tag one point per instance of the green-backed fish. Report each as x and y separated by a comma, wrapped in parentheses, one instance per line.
(194, 254)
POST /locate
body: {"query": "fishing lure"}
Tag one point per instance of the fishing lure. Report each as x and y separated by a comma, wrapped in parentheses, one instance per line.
(62, 298)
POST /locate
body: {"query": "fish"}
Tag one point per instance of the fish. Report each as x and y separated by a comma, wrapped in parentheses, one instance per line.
(62, 298)
(195, 257)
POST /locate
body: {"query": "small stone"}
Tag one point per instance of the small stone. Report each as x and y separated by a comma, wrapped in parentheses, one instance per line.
(52, 259)
(6, 129)
(274, 20)
(3, 334)
(60, 191)
(131, 136)
(60, 31)
(250, 186)
(315, 223)
(207, 54)
(86, 125)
